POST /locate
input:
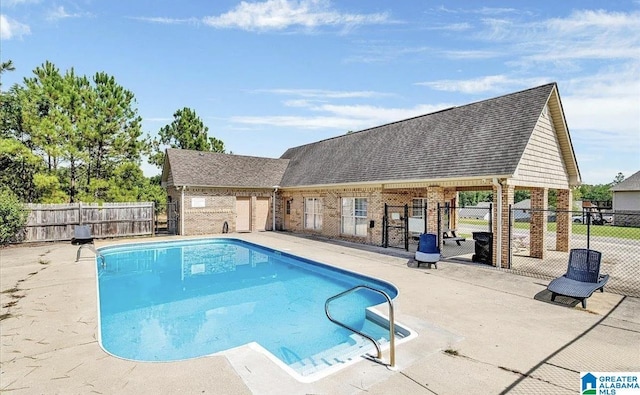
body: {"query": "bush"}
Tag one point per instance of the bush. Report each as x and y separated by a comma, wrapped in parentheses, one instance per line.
(13, 216)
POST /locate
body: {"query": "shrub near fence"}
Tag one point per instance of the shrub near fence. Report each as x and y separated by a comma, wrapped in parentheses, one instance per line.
(56, 222)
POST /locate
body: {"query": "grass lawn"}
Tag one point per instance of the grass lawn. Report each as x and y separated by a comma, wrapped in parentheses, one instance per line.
(620, 232)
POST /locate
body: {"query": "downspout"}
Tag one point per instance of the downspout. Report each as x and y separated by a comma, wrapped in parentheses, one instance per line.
(182, 232)
(498, 225)
(273, 208)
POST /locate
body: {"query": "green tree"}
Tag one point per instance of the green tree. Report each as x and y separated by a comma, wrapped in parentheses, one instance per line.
(186, 131)
(13, 214)
(618, 179)
(113, 135)
(601, 192)
(82, 128)
(6, 66)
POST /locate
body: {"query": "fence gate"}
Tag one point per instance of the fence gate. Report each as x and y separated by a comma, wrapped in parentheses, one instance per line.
(395, 224)
(172, 218)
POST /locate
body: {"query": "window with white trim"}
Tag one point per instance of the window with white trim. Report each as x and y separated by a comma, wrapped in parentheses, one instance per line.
(354, 216)
(417, 207)
(313, 213)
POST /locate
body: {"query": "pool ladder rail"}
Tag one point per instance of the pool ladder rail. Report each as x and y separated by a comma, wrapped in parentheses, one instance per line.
(392, 343)
(103, 263)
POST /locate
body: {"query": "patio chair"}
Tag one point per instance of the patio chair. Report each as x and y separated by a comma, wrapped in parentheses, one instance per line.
(82, 236)
(428, 251)
(582, 278)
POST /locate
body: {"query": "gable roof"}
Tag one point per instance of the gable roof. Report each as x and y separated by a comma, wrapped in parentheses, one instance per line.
(198, 168)
(629, 184)
(482, 139)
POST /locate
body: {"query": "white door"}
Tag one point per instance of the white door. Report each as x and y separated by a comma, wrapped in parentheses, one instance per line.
(262, 214)
(243, 214)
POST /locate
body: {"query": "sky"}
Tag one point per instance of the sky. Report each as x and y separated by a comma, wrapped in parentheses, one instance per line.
(268, 75)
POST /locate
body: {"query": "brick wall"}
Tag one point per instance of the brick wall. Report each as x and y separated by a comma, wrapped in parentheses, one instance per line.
(563, 219)
(332, 210)
(206, 210)
(538, 226)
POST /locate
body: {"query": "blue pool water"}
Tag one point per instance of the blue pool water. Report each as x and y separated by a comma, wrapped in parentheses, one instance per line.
(178, 300)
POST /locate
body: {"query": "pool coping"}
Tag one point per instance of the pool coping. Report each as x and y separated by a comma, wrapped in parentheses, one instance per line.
(475, 324)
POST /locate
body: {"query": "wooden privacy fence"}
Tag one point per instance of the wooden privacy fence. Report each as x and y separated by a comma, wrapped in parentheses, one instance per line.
(56, 222)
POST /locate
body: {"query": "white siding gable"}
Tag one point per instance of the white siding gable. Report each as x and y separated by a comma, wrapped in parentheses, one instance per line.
(541, 164)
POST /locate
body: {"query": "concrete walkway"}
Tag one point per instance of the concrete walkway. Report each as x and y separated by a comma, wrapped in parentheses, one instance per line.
(479, 331)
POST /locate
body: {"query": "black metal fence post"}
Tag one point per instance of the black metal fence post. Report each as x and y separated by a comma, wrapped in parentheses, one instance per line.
(385, 227)
(406, 227)
(439, 218)
(588, 229)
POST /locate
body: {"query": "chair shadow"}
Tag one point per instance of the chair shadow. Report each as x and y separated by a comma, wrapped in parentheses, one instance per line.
(545, 296)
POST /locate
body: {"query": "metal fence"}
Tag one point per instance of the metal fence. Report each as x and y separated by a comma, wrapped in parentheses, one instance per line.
(615, 234)
(56, 222)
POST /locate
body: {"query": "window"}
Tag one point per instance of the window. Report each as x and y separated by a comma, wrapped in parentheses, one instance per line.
(417, 207)
(313, 213)
(354, 216)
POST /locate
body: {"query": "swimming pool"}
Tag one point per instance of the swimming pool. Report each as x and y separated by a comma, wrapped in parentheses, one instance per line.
(177, 300)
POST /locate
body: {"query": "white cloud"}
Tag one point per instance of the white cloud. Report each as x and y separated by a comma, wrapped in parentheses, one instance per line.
(607, 106)
(341, 117)
(385, 52)
(454, 27)
(282, 14)
(60, 12)
(160, 119)
(11, 3)
(490, 83)
(471, 54)
(10, 28)
(165, 21)
(583, 35)
(324, 94)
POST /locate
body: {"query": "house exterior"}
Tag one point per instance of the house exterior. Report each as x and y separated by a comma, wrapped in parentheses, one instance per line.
(215, 193)
(338, 187)
(626, 201)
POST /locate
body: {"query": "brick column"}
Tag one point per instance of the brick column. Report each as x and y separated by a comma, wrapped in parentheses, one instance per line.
(508, 193)
(450, 195)
(435, 195)
(539, 199)
(563, 220)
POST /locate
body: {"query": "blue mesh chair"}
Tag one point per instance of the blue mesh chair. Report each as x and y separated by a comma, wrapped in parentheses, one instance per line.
(582, 278)
(428, 251)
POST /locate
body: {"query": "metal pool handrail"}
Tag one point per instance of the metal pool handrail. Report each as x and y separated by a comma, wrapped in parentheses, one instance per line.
(392, 343)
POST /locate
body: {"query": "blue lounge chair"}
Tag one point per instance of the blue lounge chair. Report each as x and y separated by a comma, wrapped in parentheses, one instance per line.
(583, 276)
(428, 251)
(82, 236)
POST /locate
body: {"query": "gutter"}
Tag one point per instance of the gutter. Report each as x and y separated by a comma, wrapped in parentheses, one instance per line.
(498, 225)
(182, 232)
(273, 208)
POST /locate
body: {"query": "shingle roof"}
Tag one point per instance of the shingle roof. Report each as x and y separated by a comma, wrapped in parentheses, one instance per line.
(486, 138)
(629, 184)
(197, 168)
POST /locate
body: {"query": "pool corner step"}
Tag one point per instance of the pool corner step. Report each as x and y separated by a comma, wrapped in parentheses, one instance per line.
(342, 353)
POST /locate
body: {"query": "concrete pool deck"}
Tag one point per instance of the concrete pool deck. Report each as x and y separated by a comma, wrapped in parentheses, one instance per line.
(480, 330)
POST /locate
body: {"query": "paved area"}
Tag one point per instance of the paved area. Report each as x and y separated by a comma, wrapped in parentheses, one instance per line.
(479, 331)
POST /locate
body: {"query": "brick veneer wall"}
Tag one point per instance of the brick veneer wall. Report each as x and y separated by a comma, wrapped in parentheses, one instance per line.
(539, 198)
(563, 219)
(376, 199)
(508, 196)
(220, 207)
